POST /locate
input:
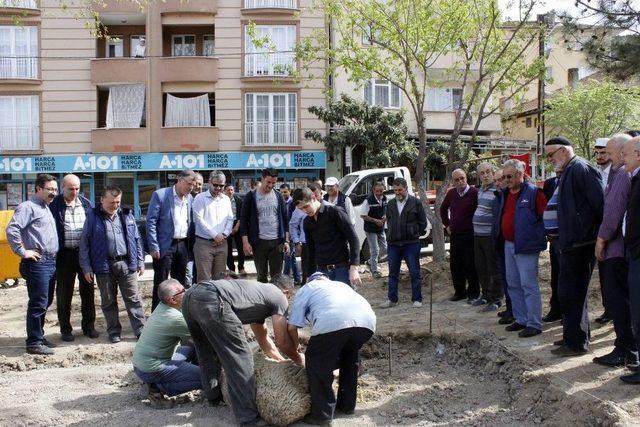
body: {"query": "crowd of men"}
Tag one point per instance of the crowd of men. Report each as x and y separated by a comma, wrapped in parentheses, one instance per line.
(586, 215)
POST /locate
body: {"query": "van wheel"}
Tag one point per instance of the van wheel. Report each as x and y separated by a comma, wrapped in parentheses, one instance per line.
(364, 252)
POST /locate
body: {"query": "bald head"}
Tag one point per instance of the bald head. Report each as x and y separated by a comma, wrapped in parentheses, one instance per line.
(631, 154)
(70, 187)
(614, 148)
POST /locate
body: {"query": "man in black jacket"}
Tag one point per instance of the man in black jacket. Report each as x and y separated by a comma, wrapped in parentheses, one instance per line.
(70, 210)
(235, 237)
(580, 206)
(631, 233)
(407, 221)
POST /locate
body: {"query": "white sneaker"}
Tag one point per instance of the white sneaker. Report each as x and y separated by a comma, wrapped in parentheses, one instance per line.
(388, 304)
(417, 304)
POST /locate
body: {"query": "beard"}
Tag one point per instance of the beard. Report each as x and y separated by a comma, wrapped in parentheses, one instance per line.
(400, 197)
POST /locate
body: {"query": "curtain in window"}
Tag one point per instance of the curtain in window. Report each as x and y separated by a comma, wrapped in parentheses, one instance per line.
(19, 52)
(19, 122)
(193, 112)
(276, 57)
(125, 106)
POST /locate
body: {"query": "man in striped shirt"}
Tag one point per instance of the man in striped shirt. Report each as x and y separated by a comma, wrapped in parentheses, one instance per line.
(485, 253)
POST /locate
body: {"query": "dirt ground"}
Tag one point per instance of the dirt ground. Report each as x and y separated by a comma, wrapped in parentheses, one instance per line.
(469, 371)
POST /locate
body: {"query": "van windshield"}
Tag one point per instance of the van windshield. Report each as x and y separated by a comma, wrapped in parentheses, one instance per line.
(346, 182)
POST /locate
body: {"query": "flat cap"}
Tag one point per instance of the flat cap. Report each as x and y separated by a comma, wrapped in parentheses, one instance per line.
(558, 140)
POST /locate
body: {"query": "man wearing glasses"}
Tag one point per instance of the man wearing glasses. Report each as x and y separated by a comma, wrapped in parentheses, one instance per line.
(168, 231)
(32, 235)
(580, 206)
(213, 215)
(156, 360)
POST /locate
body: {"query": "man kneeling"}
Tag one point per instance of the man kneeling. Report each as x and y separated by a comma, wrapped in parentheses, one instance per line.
(341, 322)
(154, 360)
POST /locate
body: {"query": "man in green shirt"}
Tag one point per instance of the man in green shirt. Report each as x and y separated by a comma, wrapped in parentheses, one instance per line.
(154, 359)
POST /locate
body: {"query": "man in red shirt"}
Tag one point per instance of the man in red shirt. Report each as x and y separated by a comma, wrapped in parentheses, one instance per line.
(522, 229)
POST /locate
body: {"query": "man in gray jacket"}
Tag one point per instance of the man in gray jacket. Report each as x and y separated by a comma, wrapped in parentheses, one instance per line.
(406, 221)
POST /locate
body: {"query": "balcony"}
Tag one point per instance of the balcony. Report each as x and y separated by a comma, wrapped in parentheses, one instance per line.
(19, 70)
(118, 70)
(192, 6)
(188, 69)
(19, 7)
(115, 140)
(271, 134)
(270, 7)
(279, 65)
(189, 139)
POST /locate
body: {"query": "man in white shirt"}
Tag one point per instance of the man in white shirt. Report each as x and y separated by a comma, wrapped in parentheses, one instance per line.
(213, 216)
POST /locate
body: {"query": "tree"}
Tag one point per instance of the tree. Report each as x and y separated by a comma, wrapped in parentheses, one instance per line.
(355, 123)
(418, 44)
(602, 22)
(593, 110)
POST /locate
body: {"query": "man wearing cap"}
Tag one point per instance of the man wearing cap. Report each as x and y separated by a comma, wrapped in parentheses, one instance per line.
(335, 197)
(603, 163)
(579, 210)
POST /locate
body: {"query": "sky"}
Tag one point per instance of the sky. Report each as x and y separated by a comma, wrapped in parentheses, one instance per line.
(511, 7)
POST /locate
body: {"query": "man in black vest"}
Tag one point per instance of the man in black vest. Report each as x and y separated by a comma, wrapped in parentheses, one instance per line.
(374, 216)
(335, 197)
(407, 221)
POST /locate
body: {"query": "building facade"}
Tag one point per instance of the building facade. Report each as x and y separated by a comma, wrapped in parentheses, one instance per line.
(177, 85)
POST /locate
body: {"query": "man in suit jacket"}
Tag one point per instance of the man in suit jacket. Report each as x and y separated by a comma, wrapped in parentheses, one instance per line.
(167, 231)
(235, 237)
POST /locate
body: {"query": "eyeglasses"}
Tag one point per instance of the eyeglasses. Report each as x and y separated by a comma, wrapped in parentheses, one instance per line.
(181, 292)
(550, 155)
(218, 185)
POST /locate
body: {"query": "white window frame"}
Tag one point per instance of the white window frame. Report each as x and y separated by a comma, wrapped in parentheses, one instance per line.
(209, 39)
(369, 93)
(269, 4)
(14, 63)
(271, 60)
(444, 97)
(182, 36)
(263, 133)
(9, 132)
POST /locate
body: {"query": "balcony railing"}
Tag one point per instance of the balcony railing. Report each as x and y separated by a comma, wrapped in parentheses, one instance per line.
(19, 138)
(19, 4)
(19, 68)
(269, 4)
(271, 133)
(269, 64)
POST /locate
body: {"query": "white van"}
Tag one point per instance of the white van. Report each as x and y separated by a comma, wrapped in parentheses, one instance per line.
(358, 185)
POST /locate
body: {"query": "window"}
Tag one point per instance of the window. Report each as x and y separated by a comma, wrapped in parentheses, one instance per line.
(528, 122)
(183, 45)
(382, 93)
(365, 187)
(115, 47)
(444, 99)
(572, 77)
(189, 110)
(19, 122)
(18, 52)
(276, 56)
(137, 50)
(549, 73)
(209, 45)
(271, 119)
(265, 4)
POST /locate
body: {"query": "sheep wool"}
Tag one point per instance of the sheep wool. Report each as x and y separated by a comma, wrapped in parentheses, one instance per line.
(282, 390)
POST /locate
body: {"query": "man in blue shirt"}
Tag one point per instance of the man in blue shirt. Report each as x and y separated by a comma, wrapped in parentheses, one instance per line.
(341, 322)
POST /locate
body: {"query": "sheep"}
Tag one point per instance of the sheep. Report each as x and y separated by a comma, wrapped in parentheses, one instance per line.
(282, 391)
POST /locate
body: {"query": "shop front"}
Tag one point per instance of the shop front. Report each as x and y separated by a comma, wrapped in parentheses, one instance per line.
(139, 175)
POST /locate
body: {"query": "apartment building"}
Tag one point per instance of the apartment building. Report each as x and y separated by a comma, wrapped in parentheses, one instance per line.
(177, 85)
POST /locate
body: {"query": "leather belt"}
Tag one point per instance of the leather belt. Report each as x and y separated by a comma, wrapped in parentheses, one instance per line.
(118, 258)
(333, 266)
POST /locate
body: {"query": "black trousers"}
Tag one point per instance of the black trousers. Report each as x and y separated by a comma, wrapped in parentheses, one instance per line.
(268, 258)
(554, 257)
(614, 273)
(67, 268)
(605, 303)
(307, 267)
(237, 239)
(576, 267)
(172, 263)
(324, 353)
(463, 267)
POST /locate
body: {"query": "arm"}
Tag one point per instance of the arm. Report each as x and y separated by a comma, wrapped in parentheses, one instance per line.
(19, 220)
(444, 209)
(311, 247)
(265, 343)
(152, 222)
(422, 218)
(198, 217)
(84, 255)
(294, 227)
(541, 202)
(139, 248)
(228, 227)
(615, 206)
(245, 214)
(595, 194)
(352, 214)
(345, 226)
(283, 339)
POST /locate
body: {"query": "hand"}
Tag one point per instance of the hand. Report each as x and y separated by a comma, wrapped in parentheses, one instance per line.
(34, 255)
(88, 277)
(218, 239)
(448, 230)
(235, 229)
(298, 249)
(286, 248)
(600, 245)
(354, 276)
(300, 360)
(141, 270)
(155, 254)
(248, 250)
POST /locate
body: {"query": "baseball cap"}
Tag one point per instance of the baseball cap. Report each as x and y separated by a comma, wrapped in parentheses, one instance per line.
(332, 180)
(601, 142)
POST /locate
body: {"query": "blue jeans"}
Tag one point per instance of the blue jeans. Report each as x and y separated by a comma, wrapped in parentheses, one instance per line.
(522, 280)
(339, 274)
(377, 248)
(291, 265)
(38, 275)
(410, 253)
(178, 375)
